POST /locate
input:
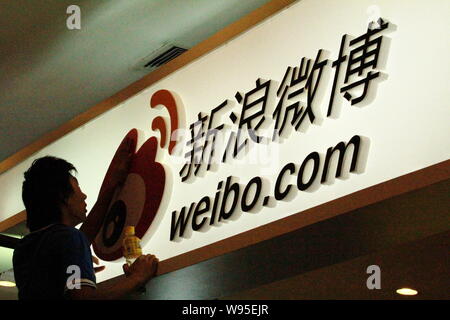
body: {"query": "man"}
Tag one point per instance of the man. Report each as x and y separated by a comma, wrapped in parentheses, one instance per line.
(45, 259)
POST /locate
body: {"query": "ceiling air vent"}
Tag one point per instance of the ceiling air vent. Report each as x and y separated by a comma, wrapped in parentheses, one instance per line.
(164, 57)
(160, 56)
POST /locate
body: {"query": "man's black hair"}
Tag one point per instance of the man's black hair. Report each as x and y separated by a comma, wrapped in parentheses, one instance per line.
(45, 189)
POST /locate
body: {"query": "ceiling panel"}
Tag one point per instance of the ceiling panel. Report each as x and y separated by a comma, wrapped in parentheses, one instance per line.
(50, 74)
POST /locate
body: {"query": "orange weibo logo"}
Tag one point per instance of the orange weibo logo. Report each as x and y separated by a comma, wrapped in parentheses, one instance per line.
(139, 199)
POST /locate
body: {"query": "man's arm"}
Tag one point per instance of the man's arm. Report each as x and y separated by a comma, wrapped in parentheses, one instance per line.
(114, 291)
(137, 275)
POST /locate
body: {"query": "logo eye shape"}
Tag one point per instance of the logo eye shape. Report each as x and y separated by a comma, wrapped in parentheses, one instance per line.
(126, 211)
(114, 223)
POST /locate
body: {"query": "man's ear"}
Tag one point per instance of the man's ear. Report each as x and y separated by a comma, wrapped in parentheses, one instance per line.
(64, 209)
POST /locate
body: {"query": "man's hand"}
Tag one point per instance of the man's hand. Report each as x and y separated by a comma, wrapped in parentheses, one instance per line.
(97, 262)
(143, 269)
(137, 275)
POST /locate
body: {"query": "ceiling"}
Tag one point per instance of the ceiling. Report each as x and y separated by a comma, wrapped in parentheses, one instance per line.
(405, 266)
(50, 74)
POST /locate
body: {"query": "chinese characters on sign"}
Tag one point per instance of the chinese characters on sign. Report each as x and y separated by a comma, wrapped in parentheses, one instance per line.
(290, 106)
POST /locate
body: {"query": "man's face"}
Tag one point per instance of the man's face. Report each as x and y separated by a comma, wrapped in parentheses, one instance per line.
(76, 203)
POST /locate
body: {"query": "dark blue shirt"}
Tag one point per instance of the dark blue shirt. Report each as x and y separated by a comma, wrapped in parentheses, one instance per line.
(46, 259)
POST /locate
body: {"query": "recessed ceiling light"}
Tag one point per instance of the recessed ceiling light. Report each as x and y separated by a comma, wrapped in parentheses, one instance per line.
(407, 292)
(7, 284)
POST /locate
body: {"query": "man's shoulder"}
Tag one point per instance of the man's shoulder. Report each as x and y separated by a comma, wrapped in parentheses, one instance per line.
(63, 234)
(53, 235)
(62, 229)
